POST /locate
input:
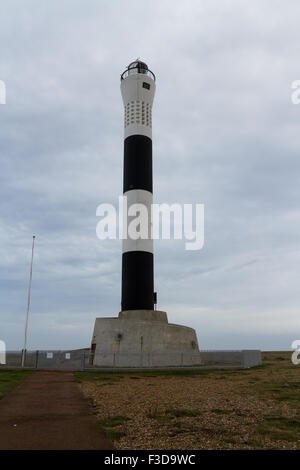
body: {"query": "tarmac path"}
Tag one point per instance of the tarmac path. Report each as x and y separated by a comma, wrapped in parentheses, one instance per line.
(48, 412)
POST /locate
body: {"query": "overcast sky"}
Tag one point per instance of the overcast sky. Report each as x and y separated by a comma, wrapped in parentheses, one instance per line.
(225, 134)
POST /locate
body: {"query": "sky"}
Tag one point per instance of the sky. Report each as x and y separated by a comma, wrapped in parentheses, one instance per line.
(225, 134)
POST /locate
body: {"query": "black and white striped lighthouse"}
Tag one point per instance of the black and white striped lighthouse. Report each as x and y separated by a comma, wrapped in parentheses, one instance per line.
(138, 89)
(139, 335)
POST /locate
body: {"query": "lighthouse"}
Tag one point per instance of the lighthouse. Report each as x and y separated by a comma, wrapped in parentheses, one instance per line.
(139, 336)
(138, 90)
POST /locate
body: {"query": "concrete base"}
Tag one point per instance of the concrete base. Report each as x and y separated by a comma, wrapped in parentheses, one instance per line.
(143, 338)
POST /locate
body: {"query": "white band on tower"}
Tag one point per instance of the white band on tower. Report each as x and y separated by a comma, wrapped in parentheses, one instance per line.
(139, 204)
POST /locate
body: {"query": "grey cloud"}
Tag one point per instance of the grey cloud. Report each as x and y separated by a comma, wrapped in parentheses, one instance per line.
(225, 134)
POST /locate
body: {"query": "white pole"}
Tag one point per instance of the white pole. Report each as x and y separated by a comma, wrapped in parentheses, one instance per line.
(28, 305)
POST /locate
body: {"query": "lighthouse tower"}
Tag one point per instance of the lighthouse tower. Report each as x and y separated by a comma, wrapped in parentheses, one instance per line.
(140, 335)
(138, 89)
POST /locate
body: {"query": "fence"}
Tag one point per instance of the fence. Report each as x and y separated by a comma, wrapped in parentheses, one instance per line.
(84, 359)
(65, 360)
(244, 358)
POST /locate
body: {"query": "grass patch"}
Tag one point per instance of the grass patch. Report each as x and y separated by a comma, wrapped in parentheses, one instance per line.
(114, 420)
(181, 428)
(280, 391)
(184, 412)
(218, 411)
(163, 419)
(280, 429)
(105, 384)
(91, 376)
(253, 444)
(193, 373)
(212, 432)
(113, 434)
(10, 379)
(155, 414)
(152, 415)
(284, 424)
(230, 440)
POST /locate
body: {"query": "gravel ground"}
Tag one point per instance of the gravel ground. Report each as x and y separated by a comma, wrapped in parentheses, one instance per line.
(217, 410)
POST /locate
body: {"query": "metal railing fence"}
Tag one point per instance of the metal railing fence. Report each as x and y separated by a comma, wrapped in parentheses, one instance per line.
(84, 359)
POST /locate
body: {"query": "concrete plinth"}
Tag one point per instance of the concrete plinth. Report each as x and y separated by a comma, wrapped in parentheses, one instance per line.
(143, 338)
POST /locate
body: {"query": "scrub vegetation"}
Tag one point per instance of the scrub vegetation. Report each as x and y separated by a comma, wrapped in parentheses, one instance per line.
(256, 408)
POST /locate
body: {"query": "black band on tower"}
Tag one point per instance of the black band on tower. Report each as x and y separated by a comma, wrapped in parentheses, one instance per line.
(137, 281)
(137, 163)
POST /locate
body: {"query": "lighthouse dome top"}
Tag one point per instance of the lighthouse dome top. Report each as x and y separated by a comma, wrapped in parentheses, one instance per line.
(142, 66)
(136, 67)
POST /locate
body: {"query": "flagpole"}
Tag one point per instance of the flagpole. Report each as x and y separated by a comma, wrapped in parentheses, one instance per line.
(28, 305)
